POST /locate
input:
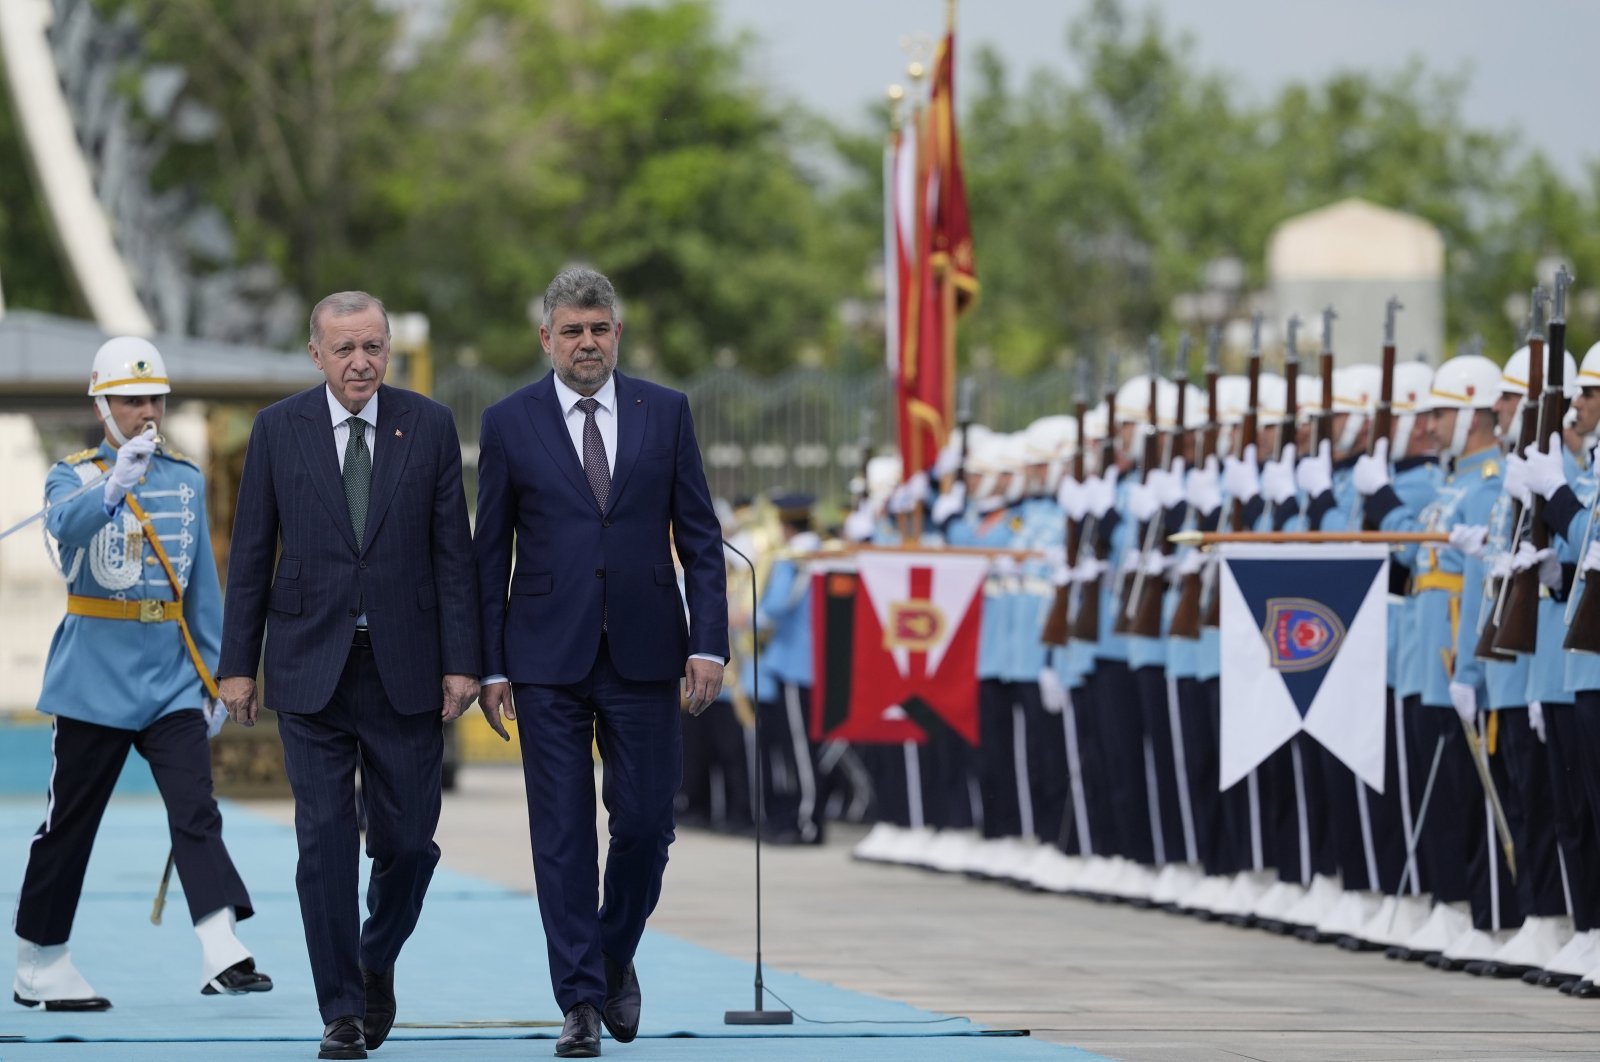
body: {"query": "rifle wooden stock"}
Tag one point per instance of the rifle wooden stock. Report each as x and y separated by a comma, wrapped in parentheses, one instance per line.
(1519, 621)
(1583, 632)
(1058, 621)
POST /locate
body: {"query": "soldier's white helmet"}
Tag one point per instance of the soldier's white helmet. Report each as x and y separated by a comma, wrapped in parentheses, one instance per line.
(1050, 438)
(1133, 399)
(1307, 396)
(1588, 374)
(1411, 382)
(1514, 377)
(1470, 381)
(1233, 399)
(1356, 389)
(883, 476)
(128, 365)
(1194, 408)
(1272, 397)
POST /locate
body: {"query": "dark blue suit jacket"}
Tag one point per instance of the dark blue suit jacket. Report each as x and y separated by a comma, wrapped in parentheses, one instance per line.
(413, 575)
(541, 621)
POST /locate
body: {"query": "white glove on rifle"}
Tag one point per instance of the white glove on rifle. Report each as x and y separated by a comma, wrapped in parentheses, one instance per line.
(1052, 694)
(133, 460)
(1142, 503)
(1469, 538)
(1500, 566)
(1591, 557)
(1070, 496)
(1314, 473)
(859, 525)
(1168, 487)
(1464, 699)
(950, 504)
(1544, 472)
(1371, 473)
(1089, 568)
(1191, 562)
(1516, 480)
(1155, 563)
(1101, 493)
(1204, 488)
(1545, 559)
(1277, 477)
(1239, 476)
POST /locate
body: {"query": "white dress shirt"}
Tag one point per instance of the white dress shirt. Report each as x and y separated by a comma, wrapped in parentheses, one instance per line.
(341, 438)
(605, 418)
(341, 430)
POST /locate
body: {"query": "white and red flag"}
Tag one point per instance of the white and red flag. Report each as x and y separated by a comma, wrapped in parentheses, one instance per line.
(896, 648)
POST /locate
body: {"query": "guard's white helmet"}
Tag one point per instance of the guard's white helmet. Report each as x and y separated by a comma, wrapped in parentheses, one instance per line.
(1356, 389)
(1050, 438)
(1272, 397)
(1411, 382)
(1233, 399)
(1514, 377)
(128, 365)
(1133, 399)
(1307, 396)
(1470, 381)
(1588, 374)
(883, 476)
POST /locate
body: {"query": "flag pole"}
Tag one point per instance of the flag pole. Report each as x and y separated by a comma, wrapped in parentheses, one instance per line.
(1384, 538)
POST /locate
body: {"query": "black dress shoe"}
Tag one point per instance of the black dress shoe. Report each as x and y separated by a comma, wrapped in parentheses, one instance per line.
(580, 1033)
(1586, 989)
(621, 1012)
(87, 1003)
(380, 1007)
(238, 979)
(342, 1039)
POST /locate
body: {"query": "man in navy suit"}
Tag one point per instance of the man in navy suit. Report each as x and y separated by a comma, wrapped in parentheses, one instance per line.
(372, 644)
(594, 477)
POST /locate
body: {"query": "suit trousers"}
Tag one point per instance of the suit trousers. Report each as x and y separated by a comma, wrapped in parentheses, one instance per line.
(1119, 726)
(1540, 890)
(1572, 750)
(88, 758)
(636, 728)
(400, 757)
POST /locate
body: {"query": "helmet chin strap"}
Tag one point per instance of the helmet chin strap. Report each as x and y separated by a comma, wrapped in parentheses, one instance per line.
(1402, 436)
(117, 438)
(1352, 427)
(1458, 437)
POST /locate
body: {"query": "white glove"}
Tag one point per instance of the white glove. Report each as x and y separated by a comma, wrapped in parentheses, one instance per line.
(216, 714)
(1052, 694)
(1591, 557)
(950, 504)
(1500, 567)
(1129, 564)
(1155, 563)
(1191, 562)
(1469, 538)
(1314, 473)
(919, 488)
(1536, 718)
(1169, 487)
(1142, 503)
(1089, 568)
(1544, 472)
(1371, 473)
(1101, 493)
(1004, 566)
(1516, 480)
(1465, 700)
(1549, 567)
(1239, 476)
(1277, 477)
(1204, 488)
(1070, 495)
(133, 459)
(859, 525)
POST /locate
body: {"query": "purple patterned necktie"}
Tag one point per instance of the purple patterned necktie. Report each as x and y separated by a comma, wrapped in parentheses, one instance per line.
(594, 453)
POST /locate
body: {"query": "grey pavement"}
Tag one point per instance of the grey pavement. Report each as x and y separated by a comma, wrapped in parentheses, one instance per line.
(1137, 985)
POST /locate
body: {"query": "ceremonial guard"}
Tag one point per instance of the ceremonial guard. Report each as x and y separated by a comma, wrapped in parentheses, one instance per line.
(130, 667)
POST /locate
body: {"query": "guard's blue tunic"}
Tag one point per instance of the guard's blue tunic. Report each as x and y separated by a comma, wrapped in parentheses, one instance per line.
(117, 672)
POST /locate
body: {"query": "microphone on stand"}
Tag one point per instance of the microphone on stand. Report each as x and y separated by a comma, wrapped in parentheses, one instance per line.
(760, 1015)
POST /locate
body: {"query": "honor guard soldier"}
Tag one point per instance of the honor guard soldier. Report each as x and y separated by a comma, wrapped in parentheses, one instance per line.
(130, 667)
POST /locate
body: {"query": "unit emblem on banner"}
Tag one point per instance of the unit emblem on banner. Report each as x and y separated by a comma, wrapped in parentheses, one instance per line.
(1301, 634)
(914, 625)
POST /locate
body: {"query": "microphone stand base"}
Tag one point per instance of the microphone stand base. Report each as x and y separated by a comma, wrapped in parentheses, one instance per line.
(758, 1017)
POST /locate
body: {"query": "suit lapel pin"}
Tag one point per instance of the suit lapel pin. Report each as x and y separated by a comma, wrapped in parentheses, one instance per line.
(398, 434)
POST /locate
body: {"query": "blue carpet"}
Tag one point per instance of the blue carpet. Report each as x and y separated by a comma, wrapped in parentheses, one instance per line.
(471, 982)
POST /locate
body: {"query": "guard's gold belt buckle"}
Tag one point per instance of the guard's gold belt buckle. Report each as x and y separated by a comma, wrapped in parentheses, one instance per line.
(152, 610)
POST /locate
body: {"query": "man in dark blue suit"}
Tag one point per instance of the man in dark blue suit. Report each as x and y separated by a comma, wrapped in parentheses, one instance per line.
(372, 644)
(593, 477)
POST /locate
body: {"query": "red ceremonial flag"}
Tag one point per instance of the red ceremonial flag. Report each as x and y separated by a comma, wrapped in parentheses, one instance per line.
(943, 281)
(895, 648)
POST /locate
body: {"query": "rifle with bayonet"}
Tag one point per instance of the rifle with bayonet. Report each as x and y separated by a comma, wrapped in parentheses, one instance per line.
(1291, 398)
(1127, 596)
(1527, 434)
(1086, 621)
(1383, 415)
(1058, 621)
(1150, 591)
(1246, 438)
(1324, 426)
(1519, 622)
(1191, 590)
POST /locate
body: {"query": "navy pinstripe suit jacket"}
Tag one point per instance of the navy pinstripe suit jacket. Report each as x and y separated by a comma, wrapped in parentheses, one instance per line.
(541, 623)
(413, 576)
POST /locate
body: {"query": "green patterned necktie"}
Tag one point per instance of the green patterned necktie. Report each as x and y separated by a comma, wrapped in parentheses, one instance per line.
(357, 476)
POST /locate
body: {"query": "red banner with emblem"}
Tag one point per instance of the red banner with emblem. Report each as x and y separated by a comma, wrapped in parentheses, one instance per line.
(895, 648)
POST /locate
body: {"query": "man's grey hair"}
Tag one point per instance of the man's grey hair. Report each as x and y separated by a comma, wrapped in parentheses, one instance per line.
(579, 288)
(343, 304)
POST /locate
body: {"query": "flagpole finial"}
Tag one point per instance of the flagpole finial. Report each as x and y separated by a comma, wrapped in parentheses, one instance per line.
(950, 13)
(916, 71)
